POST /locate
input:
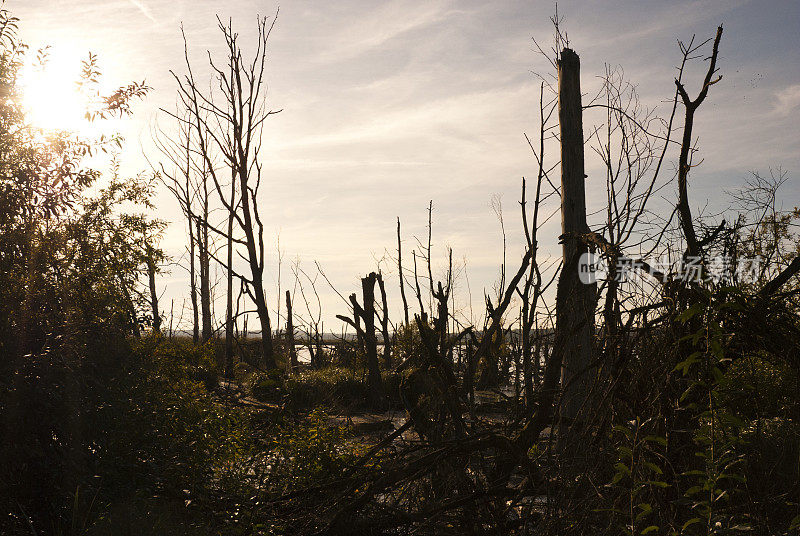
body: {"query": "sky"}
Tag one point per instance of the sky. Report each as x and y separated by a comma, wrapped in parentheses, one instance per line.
(388, 105)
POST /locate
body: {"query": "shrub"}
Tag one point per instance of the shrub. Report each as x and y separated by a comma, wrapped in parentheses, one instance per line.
(327, 387)
(338, 387)
(312, 451)
(266, 389)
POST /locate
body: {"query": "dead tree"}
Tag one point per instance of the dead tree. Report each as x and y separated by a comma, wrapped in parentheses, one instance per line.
(365, 312)
(693, 246)
(151, 277)
(384, 319)
(186, 179)
(193, 284)
(229, 123)
(532, 287)
(368, 316)
(633, 159)
(204, 263)
(400, 274)
(229, 324)
(290, 349)
(314, 328)
(442, 296)
(575, 300)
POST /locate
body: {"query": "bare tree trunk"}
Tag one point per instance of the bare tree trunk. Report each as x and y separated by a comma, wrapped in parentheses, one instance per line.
(575, 300)
(267, 350)
(193, 284)
(187, 202)
(611, 313)
(533, 280)
(442, 296)
(525, 349)
(292, 353)
(234, 132)
(693, 247)
(362, 344)
(400, 273)
(151, 276)
(205, 286)
(229, 296)
(387, 343)
(368, 315)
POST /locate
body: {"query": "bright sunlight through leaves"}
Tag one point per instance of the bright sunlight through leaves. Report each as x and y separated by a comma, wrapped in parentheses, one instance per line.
(56, 96)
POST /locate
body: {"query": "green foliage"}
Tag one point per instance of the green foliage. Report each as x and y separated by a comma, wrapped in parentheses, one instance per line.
(172, 417)
(338, 387)
(407, 344)
(718, 433)
(70, 260)
(70, 263)
(638, 474)
(267, 389)
(700, 443)
(311, 451)
(328, 387)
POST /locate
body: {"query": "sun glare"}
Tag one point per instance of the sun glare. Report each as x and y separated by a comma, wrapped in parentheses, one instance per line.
(51, 96)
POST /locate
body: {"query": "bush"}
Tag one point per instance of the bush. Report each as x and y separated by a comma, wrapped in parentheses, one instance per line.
(338, 387)
(333, 386)
(312, 451)
(266, 389)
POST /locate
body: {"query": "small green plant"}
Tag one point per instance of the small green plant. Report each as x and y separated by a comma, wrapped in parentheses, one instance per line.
(638, 474)
(718, 433)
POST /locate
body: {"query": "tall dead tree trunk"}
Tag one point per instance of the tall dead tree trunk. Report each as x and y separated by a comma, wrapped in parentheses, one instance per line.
(366, 313)
(370, 342)
(525, 348)
(442, 296)
(229, 293)
(384, 318)
(532, 287)
(180, 178)
(151, 277)
(205, 285)
(400, 273)
(267, 349)
(693, 246)
(575, 300)
(193, 285)
(292, 353)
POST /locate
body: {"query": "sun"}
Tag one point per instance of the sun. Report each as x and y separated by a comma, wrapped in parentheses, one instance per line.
(51, 96)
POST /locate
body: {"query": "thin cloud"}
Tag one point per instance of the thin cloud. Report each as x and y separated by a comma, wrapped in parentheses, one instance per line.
(144, 9)
(371, 32)
(427, 116)
(672, 18)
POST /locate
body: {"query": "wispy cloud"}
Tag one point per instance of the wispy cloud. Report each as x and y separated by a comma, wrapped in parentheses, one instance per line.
(141, 6)
(378, 26)
(671, 17)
